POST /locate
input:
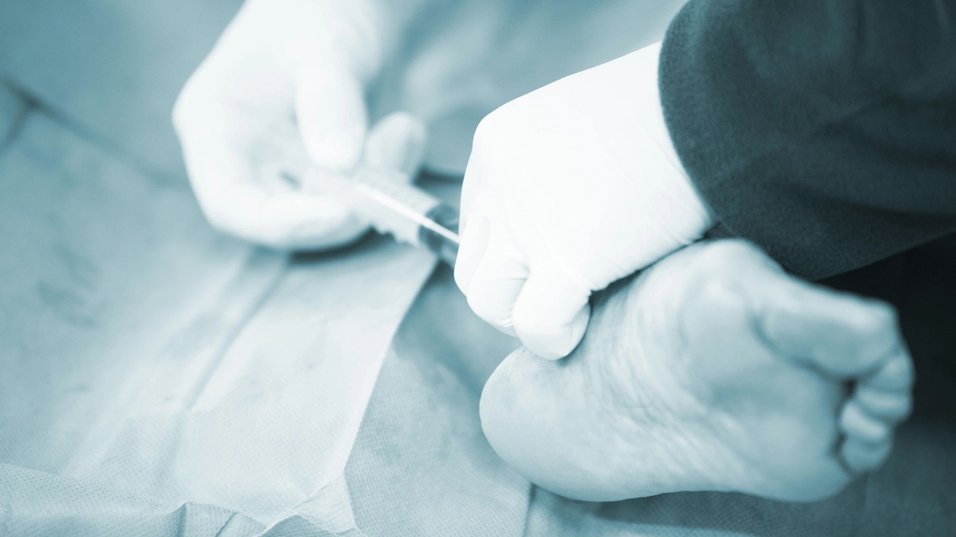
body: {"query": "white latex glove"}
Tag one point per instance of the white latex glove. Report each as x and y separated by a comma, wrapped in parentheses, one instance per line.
(568, 189)
(285, 85)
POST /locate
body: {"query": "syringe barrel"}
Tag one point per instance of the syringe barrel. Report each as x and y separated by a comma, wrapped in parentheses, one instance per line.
(391, 204)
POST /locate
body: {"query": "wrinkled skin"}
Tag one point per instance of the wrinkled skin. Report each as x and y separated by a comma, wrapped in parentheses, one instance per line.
(712, 370)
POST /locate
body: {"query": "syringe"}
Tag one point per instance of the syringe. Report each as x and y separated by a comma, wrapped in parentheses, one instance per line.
(392, 204)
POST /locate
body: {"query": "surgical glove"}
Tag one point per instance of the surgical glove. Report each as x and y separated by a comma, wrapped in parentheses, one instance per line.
(568, 189)
(283, 89)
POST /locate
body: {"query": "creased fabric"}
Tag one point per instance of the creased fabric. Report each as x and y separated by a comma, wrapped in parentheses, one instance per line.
(156, 371)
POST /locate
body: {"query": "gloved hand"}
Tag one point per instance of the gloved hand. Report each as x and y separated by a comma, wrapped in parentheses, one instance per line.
(285, 85)
(568, 189)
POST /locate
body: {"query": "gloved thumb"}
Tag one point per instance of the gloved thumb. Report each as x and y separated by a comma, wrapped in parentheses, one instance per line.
(397, 142)
(551, 314)
(331, 112)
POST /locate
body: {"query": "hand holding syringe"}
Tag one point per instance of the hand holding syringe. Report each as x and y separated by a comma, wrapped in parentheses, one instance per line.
(380, 191)
(392, 204)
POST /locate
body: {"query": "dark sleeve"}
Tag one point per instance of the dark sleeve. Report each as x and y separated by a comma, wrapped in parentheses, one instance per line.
(822, 130)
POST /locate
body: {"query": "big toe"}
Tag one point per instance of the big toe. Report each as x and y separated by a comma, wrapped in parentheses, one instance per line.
(841, 335)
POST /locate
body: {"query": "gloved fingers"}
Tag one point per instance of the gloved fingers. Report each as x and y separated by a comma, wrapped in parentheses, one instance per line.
(331, 112)
(230, 121)
(551, 313)
(235, 201)
(293, 221)
(275, 92)
(497, 280)
(474, 241)
(397, 142)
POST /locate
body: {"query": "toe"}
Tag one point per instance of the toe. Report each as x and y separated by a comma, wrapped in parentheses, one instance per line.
(881, 399)
(859, 456)
(856, 423)
(867, 423)
(896, 373)
(889, 406)
(840, 335)
(886, 394)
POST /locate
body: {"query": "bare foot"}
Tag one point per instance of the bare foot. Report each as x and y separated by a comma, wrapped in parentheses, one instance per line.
(713, 370)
